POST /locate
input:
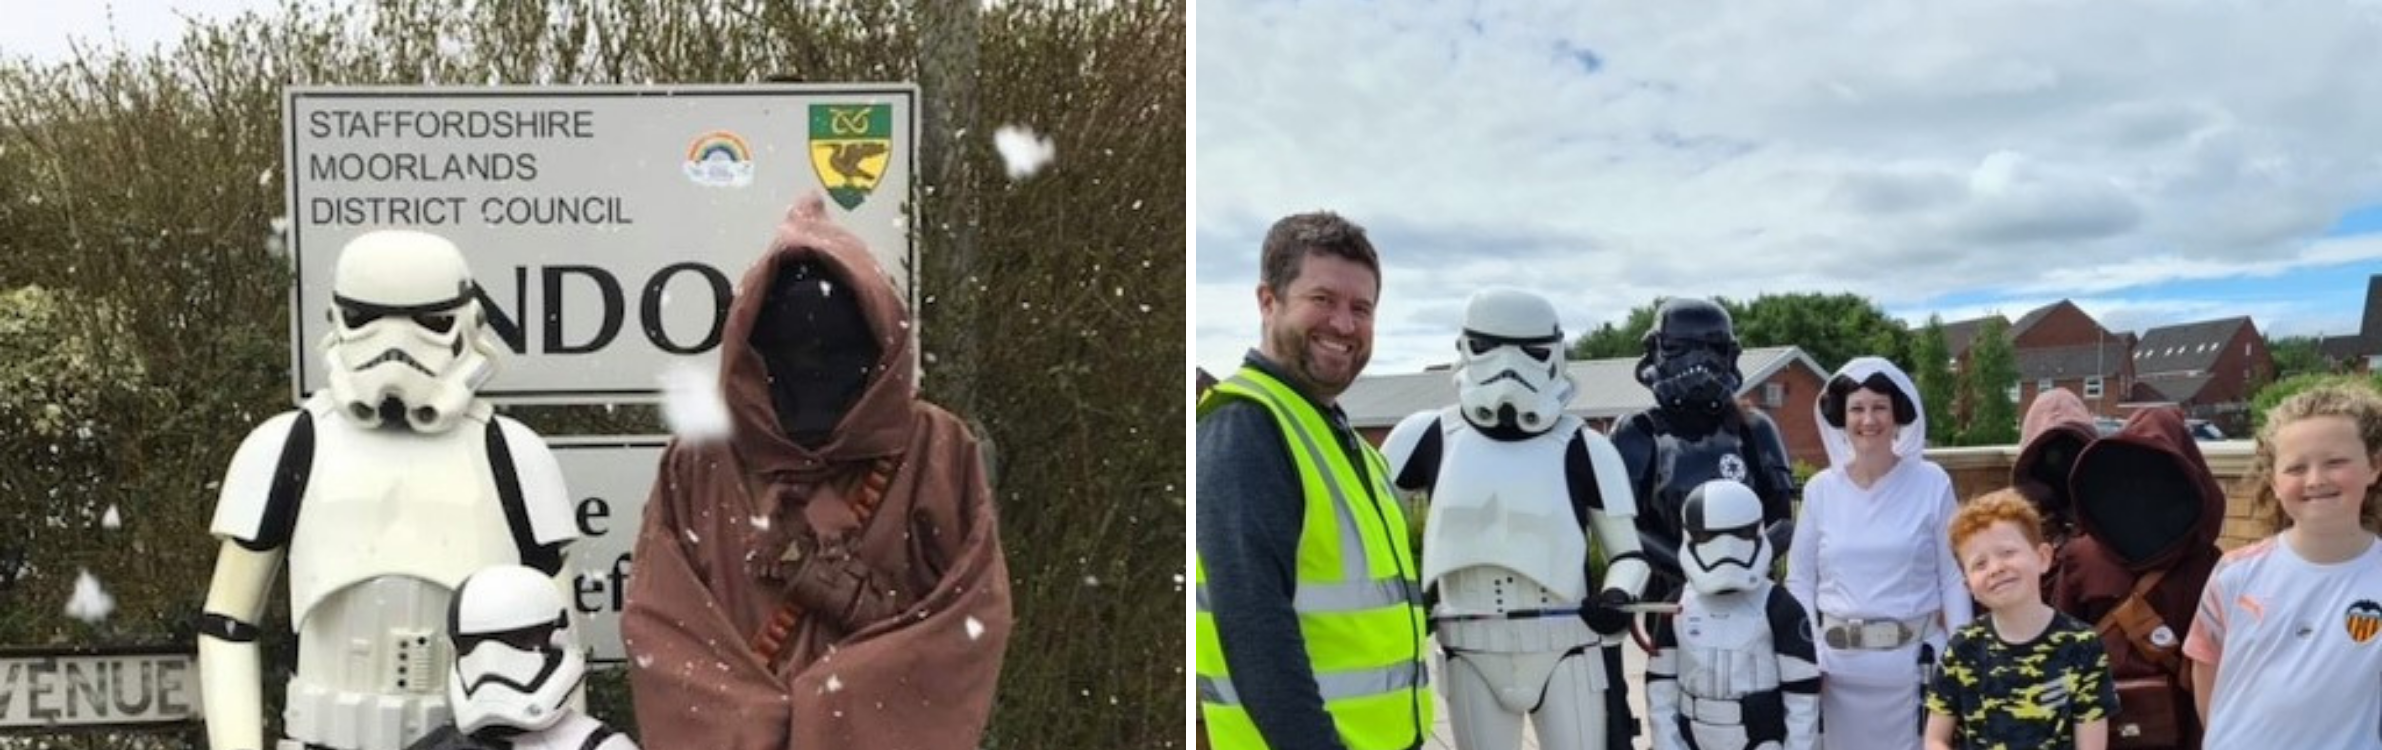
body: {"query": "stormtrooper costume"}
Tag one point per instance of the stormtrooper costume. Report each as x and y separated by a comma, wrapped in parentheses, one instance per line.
(517, 662)
(1695, 433)
(1517, 488)
(383, 491)
(1736, 668)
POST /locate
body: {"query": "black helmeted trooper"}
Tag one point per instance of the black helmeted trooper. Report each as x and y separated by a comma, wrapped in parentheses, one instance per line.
(1519, 491)
(1736, 667)
(1696, 433)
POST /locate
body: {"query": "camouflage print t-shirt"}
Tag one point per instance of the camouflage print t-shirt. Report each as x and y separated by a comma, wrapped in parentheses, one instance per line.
(2022, 695)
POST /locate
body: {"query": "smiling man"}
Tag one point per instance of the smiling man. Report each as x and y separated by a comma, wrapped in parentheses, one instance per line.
(1310, 620)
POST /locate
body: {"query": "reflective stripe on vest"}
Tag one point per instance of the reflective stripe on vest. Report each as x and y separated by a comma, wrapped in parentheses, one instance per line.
(1359, 607)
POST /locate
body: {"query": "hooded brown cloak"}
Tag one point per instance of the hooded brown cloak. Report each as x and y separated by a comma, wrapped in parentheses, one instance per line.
(721, 512)
(2145, 501)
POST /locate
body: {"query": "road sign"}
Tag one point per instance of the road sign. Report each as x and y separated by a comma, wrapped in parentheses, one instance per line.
(131, 687)
(609, 479)
(606, 226)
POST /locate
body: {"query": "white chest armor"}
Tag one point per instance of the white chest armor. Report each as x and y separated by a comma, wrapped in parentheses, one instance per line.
(384, 503)
(1505, 504)
(1725, 648)
(391, 522)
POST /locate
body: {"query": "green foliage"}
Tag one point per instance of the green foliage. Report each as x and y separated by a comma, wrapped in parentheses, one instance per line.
(139, 189)
(1985, 388)
(2284, 388)
(2297, 355)
(1931, 358)
(1832, 328)
(1609, 342)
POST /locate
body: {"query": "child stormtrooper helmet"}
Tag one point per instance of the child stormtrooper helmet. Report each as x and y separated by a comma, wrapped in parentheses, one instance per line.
(1724, 550)
(1512, 351)
(407, 339)
(516, 658)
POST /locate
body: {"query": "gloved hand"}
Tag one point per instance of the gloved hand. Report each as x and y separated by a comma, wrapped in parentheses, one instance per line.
(1603, 614)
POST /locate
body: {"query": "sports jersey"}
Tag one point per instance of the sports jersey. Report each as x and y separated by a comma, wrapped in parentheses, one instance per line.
(2297, 648)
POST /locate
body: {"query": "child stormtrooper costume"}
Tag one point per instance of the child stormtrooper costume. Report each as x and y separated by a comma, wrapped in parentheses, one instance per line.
(517, 662)
(1517, 487)
(383, 491)
(1736, 668)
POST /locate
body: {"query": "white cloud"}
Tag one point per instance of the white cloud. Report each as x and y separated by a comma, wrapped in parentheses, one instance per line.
(1612, 152)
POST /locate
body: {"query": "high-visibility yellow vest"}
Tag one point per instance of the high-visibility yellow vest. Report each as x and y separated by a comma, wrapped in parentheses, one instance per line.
(1358, 601)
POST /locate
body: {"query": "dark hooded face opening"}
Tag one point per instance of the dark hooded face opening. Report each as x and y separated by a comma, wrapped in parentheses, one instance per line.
(2051, 468)
(2137, 500)
(817, 348)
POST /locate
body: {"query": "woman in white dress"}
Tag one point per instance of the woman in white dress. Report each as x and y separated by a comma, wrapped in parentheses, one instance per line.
(1871, 560)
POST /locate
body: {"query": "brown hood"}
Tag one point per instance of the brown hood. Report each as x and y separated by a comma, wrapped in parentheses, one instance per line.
(879, 421)
(2146, 493)
(2057, 429)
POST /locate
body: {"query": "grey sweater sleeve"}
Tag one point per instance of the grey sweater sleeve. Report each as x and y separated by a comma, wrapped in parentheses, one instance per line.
(1250, 510)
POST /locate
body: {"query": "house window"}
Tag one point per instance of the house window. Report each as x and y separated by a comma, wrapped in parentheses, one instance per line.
(1773, 395)
(2092, 387)
(2042, 387)
(2014, 391)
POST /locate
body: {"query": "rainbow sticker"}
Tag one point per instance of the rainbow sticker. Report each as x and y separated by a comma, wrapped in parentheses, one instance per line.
(719, 159)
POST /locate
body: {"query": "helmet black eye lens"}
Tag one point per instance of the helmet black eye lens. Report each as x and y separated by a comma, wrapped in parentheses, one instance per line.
(1706, 536)
(1539, 353)
(356, 318)
(1479, 346)
(437, 323)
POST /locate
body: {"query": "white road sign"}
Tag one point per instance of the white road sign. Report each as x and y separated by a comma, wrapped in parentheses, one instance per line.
(609, 479)
(606, 226)
(107, 687)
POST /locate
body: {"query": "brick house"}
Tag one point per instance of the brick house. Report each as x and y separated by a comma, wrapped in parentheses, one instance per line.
(2209, 369)
(2058, 346)
(1781, 381)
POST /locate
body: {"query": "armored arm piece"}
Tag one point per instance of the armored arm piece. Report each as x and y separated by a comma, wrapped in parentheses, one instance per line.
(1798, 668)
(230, 678)
(1612, 520)
(1775, 482)
(253, 516)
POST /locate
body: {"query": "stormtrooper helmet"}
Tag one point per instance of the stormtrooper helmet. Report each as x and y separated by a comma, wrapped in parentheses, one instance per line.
(1512, 377)
(1724, 550)
(516, 659)
(408, 340)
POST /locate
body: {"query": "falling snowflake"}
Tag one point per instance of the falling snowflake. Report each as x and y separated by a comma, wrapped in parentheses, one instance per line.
(90, 603)
(692, 404)
(1091, 580)
(975, 629)
(111, 520)
(1022, 151)
(761, 522)
(834, 684)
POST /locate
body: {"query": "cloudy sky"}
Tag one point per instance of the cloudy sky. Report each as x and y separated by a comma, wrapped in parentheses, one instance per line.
(2156, 162)
(44, 29)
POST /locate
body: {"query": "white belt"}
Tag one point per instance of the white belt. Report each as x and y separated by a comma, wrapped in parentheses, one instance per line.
(1714, 711)
(1857, 634)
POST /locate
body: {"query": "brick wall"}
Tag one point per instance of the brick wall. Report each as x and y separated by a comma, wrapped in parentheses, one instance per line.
(1976, 471)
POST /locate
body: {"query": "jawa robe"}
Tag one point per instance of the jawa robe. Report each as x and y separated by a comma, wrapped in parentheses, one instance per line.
(722, 512)
(2144, 501)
